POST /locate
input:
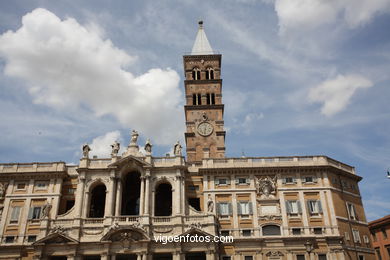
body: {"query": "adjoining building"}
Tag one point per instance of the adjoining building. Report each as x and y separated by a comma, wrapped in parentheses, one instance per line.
(380, 236)
(279, 208)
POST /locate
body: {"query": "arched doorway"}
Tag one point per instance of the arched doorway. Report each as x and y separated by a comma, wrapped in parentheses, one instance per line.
(131, 194)
(98, 201)
(163, 200)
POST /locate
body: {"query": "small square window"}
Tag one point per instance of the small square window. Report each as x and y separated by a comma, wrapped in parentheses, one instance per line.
(246, 232)
(225, 233)
(300, 257)
(308, 179)
(21, 186)
(317, 231)
(296, 231)
(225, 257)
(289, 180)
(222, 181)
(31, 239)
(9, 239)
(248, 257)
(241, 180)
(41, 185)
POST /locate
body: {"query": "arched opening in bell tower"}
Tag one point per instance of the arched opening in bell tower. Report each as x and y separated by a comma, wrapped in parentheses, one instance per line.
(163, 200)
(131, 194)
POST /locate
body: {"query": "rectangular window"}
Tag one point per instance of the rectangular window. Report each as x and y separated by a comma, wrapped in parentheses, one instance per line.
(41, 185)
(225, 233)
(246, 232)
(317, 231)
(224, 209)
(366, 239)
(351, 211)
(15, 213)
(346, 236)
(373, 235)
(293, 207)
(222, 181)
(225, 257)
(314, 207)
(21, 186)
(34, 213)
(31, 239)
(242, 181)
(289, 180)
(296, 231)
(361, 257)
(300, 257)
(244, 208)
(9, 239)
(248, 257)
(356, 235)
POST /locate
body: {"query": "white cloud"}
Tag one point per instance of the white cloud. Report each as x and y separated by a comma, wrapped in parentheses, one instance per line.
(309, 14)
(69, 66)
(101, 145)
(335, 94)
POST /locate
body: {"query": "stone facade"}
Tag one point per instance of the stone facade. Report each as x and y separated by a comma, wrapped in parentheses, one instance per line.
(380, 235)
(275, 208)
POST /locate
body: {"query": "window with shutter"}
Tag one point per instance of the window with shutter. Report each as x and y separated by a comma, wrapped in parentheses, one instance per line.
(15, 215)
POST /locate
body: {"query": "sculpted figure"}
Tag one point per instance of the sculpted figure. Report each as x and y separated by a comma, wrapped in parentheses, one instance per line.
(210, 204)
(46, 210)
(86, 150)
(266, 186)
(134, 137)
(148, 146)
(177, 149)
(115, 148)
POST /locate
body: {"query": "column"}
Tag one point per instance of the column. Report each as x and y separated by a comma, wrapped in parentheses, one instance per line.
(333, 220)
(177, 205)
(142, 196)
(118, 198)
(139, 257)
(289, 256)
(86, 204)
(104, 257)
(325, 212)
(234, 215)
(255, 214)
(304, 214)
(284, 214)
(111, 195)
(183, 201)
(147, 193)
(70, 257)
(80, 195)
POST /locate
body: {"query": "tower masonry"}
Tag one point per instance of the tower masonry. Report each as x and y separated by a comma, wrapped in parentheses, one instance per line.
(205, 134)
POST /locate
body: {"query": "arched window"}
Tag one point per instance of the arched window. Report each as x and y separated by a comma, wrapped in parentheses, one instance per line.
(209, 73)
(98, 201)
(271, 230)
(196, 74)
(163, 200)
(131, 194)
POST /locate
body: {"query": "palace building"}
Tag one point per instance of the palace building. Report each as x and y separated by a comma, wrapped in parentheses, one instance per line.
(274, 208)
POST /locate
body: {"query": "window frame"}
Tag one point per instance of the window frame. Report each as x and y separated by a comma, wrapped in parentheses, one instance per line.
(11, 219)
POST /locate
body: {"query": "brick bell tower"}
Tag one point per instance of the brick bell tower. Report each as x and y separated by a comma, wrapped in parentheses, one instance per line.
(205, 134)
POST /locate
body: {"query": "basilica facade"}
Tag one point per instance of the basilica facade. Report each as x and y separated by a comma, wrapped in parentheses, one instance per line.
(271, 208)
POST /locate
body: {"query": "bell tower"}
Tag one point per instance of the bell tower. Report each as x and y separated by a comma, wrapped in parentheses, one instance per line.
(205, 134)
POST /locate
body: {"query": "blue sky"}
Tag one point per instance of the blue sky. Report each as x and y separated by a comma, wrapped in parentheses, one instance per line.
(300, 77)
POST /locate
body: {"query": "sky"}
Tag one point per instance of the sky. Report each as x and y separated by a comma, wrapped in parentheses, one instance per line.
(300, 77)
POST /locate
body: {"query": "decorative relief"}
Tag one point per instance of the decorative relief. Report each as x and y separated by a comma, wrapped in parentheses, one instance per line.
(266, 187)
(58, 230)
(163, 230)
(274, 253)
(196, 225)
(92, 231)
(270, 217)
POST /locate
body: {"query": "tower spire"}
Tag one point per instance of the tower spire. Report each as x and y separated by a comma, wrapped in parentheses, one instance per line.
(201, 45)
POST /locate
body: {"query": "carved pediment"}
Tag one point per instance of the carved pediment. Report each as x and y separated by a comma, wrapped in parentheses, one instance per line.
(274, 253)
(129, 160)
(56, 238)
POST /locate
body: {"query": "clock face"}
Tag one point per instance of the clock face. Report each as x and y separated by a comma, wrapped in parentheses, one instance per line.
(205, 129)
